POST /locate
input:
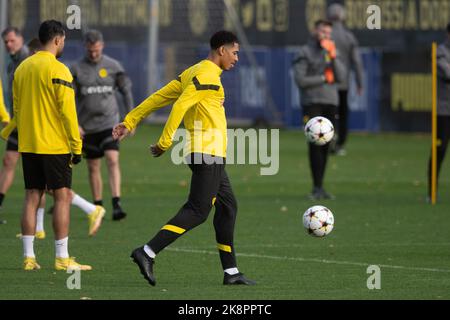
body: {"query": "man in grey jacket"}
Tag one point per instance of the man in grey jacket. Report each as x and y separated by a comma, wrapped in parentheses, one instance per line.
(97, 77)
(317, 72)
(443, 105)
(347, 48)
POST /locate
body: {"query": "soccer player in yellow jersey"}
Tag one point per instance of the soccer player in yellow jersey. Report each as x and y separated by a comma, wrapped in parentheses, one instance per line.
(49, 141)
(197, 97)
(93, 212)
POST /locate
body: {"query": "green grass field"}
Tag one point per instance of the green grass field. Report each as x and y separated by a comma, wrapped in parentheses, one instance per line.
(381, 219)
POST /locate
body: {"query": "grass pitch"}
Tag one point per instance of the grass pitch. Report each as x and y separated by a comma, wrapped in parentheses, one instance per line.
(380, 212)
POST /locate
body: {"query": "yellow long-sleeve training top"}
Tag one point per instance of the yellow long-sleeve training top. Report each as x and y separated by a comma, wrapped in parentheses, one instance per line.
(44, 107)
(198, 98)
(4, 115)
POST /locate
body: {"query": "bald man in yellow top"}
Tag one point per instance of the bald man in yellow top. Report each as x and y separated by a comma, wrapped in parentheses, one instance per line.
(49, 140)
(198, 99)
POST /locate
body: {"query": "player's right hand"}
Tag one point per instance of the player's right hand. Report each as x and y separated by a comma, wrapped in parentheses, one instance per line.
(119, 131)
(76, 159)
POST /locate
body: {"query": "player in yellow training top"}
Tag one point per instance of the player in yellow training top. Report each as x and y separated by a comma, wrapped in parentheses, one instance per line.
(49, 140)
(197, 97)
(93, 212)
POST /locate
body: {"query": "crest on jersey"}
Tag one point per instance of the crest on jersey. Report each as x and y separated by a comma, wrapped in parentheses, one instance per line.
(103, 73)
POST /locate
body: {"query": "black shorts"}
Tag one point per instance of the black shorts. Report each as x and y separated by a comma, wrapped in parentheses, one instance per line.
(47, 171)
(314, 110)
(95, 144)
(13, 142)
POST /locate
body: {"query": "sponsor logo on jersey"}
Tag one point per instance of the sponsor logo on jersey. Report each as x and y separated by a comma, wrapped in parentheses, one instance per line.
(96, 90)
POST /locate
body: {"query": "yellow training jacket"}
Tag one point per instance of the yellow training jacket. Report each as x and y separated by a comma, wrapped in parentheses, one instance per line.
(4, 115)
(198, 98)
(44, 107)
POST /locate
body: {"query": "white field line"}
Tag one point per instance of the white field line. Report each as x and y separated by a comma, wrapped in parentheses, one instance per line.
(417, 244)
(351, 263)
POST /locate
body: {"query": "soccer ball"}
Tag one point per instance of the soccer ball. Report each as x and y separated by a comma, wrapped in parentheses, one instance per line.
(319, 130)
(318, 221)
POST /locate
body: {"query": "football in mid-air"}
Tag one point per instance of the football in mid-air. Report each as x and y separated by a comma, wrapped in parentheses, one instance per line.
(318, 221)
(319, 130)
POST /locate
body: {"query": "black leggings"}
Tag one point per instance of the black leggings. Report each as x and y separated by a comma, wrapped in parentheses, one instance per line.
(342, 118)
(443, 136)
(318, 155)
(210, 187)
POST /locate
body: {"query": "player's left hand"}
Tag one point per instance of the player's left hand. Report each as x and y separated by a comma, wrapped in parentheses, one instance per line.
(156, 151)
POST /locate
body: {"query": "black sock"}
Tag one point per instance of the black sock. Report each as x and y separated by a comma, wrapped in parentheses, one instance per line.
(116, 202)
(98, 202)
(2, 196)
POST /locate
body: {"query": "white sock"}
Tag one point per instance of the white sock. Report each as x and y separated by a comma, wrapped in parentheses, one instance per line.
(40, 220)
(149, 252)
(62, 248)
(231, 271)
(28, 247)
(83, 204)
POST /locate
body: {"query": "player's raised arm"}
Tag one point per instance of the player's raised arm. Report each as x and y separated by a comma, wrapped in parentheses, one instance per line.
(161, 98)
